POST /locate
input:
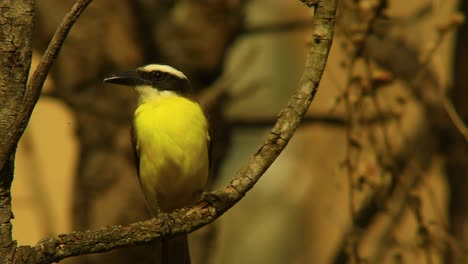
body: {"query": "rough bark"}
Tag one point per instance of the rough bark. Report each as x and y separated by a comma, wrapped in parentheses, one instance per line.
(15, 56)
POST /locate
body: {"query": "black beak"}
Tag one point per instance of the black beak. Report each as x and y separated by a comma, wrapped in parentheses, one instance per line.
(129, 78)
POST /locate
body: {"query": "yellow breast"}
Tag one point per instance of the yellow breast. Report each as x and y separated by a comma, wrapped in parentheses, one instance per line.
(172, 138)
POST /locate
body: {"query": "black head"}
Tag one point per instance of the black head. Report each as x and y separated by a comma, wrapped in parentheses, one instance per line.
(159, 77)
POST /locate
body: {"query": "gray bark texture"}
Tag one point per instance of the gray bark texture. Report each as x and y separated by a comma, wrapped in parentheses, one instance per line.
(15, 57)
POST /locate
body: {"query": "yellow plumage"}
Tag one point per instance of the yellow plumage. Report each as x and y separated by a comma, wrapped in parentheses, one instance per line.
(171, 138)
(172, 142)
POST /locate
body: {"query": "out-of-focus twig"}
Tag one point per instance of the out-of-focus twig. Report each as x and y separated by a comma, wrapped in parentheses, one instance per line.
(253, 121)
(449, 26)
(455, 117)
(396, 205)
(262, 122)
(369, 14)
(287, 26)
(443, 30)
(352, 244)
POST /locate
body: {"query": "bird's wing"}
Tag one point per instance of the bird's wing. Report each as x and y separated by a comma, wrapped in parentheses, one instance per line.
(136, 149)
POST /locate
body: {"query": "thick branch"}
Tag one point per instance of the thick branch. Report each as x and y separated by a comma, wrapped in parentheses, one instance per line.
(214, 204)
(16, 19)
(15, 52)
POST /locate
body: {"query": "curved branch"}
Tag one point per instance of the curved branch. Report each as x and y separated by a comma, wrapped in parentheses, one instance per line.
(214, 204)
(34, 88)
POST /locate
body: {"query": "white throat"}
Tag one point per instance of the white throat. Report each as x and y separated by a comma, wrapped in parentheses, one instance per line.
(148, 93)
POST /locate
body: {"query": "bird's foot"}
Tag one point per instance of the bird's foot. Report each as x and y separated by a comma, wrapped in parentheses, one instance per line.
(210, 198)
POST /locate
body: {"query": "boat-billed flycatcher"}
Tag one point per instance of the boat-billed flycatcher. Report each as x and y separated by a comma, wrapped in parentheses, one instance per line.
(170, 136)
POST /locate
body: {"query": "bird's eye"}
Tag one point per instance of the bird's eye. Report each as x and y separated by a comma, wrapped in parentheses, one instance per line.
(157, 75)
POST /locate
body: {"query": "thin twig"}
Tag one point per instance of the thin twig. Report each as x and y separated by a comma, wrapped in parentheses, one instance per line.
(352, 239)
(281, 27)
(40, 74)
(215, 204)
(453, 22)
(309, 119)
(350, 168)
(455, 117)
(396, 205)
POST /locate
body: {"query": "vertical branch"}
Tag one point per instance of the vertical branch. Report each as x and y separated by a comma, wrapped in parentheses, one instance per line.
(16, 19)
(7, 245)
(349, 164)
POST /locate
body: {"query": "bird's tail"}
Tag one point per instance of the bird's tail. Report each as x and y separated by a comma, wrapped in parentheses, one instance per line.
(175, 250)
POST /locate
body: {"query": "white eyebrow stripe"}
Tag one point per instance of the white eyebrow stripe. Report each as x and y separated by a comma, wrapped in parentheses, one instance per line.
(163, 68)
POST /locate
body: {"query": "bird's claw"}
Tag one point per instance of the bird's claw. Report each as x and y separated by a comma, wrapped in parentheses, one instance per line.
(210, 197)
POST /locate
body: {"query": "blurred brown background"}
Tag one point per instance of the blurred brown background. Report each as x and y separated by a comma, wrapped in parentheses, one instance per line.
(74, 168)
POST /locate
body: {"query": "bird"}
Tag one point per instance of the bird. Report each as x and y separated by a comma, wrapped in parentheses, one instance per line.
(171, 142)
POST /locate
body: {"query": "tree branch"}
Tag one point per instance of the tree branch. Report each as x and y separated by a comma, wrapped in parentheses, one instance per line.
(33, 91)
(214, 204)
